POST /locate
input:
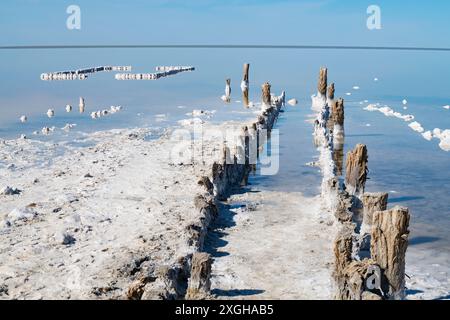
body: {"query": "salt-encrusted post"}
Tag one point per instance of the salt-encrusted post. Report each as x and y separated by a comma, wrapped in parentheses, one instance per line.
(245, 85)
(356, 170)
(338, 156)
(388, 248)
(81, 105)
(199, 285)
(337, 120)
(322, 85)
(266, 99)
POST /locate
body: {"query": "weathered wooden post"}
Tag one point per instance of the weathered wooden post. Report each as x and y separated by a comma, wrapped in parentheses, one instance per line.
(199, 285)
(322, 85)
(337, 123)
(388, 248)
(371, 202)
(266, 98)
(356, 170)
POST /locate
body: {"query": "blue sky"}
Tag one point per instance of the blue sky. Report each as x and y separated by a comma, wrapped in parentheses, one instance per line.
(322, 22)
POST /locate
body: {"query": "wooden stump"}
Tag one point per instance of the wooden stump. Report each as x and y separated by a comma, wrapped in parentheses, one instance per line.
(337, 112)
(322, 86)
(199, 286)
(343, 246)
(266, 98)
(246, 69)
(373, 202)
(388, 248)
(356, 170)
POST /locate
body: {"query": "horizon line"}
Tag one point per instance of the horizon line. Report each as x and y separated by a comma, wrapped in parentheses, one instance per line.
(220, 46)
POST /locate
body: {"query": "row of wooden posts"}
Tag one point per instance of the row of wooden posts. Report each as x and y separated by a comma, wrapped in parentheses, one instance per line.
(199, 284)
(371, 245)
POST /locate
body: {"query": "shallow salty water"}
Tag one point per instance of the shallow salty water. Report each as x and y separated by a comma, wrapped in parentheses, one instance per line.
(416, 172)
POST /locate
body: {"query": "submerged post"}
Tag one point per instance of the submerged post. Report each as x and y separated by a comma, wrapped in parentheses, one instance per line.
(388, 248)
(199, 286)
(266, 99)
(356, 170)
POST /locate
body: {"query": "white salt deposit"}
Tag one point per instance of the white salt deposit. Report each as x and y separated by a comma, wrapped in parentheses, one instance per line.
(427, 135)
(355, 87)
(446, 107)
(389, 112)
(24, 213)
(68, 126)
(405, 102)
(375, 79)
(50, 113)
(348, 94)
(68, 108)
(244, 85)
(292, 102)
(416, 126)
(444, 137)
(45, 130)
(23, 119)
(190, 122)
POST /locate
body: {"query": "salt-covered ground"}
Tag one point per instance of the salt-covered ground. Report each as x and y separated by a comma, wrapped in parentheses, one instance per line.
(272, 245)
(86, 222)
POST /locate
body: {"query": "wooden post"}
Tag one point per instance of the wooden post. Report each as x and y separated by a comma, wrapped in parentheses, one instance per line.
(388, 248)
(337, 112)
(331, 91)
(356, 170)
(322, 86)
(199, 286)
(342, 248)
(246, 69)
(245, 85)
(338, 157)
(266, 98)
(373, 202)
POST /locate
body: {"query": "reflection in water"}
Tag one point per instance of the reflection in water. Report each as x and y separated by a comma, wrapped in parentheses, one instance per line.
(245, 100)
